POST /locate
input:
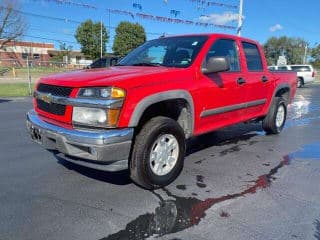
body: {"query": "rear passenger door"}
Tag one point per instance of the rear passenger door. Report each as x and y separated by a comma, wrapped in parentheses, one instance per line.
(257, 80)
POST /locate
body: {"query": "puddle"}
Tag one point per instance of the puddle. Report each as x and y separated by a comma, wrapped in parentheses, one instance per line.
(299, 108)
(309, 151)
(230, 150)
(301, 112)
(181, 187)
(224, 214)
(179, 213)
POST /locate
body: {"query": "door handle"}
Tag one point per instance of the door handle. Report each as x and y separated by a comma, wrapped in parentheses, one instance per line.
(264, 79)
(241, 81)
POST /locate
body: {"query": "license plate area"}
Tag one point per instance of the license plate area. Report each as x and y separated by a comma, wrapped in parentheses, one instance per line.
(35, 134)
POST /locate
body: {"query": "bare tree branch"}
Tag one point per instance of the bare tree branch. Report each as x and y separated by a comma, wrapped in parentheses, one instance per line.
(12, 24)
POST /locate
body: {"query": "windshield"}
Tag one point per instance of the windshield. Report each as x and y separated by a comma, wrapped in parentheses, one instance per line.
(168, 52)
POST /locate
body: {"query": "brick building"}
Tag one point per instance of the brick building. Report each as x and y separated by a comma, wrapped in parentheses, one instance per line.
(15, 53)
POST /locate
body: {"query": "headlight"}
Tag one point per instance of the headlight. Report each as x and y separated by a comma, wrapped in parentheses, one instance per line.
(98, 117)
(89, 116)
(101, 93)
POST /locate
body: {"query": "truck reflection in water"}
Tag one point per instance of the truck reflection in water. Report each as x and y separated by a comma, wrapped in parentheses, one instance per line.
(179, 213)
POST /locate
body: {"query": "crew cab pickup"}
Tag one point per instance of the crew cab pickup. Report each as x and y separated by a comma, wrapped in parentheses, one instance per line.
(138, 114)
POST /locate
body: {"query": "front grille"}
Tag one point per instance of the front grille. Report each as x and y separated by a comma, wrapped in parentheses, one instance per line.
(55, 90)
(53, 108)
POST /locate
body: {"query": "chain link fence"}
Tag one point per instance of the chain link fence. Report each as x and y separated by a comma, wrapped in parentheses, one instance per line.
(23, 74)
(12, 70)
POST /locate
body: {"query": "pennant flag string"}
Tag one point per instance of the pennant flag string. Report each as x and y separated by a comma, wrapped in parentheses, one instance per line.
(167, 19)
(73, 3)
(211, 3)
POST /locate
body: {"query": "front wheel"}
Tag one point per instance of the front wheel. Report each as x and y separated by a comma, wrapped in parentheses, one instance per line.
(158, 153)
(273, 123)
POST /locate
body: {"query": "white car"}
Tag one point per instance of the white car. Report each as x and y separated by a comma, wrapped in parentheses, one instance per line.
(305, 73)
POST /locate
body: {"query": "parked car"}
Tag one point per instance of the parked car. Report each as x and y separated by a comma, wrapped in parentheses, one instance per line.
(139, 114)
(305, 73)
(104, 62)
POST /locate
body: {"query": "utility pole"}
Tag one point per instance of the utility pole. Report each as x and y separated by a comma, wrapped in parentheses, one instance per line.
(240, 18)
(29, 76)
(305, 54)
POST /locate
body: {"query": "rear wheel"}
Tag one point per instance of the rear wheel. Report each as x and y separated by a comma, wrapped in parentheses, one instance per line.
(299, 82)
(273, 123)
(158, 153)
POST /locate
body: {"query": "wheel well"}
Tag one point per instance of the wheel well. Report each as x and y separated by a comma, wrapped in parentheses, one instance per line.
(284, 93)
(177, 109)
(301, 79)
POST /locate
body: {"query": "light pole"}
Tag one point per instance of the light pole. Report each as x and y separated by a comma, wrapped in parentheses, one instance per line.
(240, 18)
(305, 54)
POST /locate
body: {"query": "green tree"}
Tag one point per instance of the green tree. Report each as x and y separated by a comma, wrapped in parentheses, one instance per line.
(128, 37)
(292, 48)
(315, 55)
(64, 51)
(88, 36)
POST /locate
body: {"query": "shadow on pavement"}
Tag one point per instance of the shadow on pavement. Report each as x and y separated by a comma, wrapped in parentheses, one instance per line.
(234, 134)
(117, 178)
(4, 100)
(317, 226)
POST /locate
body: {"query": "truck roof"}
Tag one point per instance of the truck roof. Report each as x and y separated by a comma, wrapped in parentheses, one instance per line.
(219, 35)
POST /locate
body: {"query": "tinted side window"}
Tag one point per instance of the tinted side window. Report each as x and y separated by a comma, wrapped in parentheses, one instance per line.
(225, 48)
(301, 68)
(283, 68)
(253, 57)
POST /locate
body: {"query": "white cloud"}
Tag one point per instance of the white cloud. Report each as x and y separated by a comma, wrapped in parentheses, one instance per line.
(275, 28)
(220, 19)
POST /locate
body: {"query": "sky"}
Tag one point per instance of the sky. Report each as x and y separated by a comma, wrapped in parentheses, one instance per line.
(262, 19)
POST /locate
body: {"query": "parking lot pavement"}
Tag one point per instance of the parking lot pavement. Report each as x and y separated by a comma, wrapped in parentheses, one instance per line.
(237, 183)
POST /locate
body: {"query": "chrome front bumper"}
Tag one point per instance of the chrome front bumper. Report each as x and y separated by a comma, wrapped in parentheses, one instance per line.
(99, 149)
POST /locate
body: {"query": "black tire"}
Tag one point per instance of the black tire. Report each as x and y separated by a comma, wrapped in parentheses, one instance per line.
(140, 164)
(269, 124)
(300, 83)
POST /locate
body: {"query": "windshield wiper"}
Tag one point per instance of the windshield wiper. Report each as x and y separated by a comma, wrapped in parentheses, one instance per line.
(147, 64)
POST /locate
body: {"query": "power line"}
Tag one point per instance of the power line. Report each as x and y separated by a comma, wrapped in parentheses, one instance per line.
(66, 20)
(41, 16)
(53, 32)
(45, 38)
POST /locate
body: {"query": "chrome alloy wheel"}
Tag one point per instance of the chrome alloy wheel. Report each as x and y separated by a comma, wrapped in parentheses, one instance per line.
(280, 117)
(164, 154)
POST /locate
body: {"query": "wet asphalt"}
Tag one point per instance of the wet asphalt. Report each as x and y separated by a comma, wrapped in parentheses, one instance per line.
(237, 183)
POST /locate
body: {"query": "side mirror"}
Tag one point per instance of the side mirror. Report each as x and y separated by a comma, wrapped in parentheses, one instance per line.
(216, 64)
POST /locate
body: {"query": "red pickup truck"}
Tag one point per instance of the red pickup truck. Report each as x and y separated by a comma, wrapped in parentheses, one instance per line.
(138, 114)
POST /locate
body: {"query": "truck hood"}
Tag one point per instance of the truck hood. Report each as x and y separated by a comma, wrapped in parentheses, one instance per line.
(107, 76)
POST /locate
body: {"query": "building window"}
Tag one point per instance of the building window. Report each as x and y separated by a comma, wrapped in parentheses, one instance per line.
(36, 56)
(78, 58)
(25, 56)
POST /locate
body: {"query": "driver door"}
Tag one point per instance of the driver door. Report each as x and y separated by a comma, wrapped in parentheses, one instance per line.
(222, 94)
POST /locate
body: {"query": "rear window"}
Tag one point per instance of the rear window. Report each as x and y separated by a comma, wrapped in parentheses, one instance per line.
(282, 68)
(253, 57)
(272, 68)
(301, 68)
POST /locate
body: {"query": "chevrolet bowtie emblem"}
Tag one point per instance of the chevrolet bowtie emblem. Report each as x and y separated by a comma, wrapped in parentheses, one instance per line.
(46, 98)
